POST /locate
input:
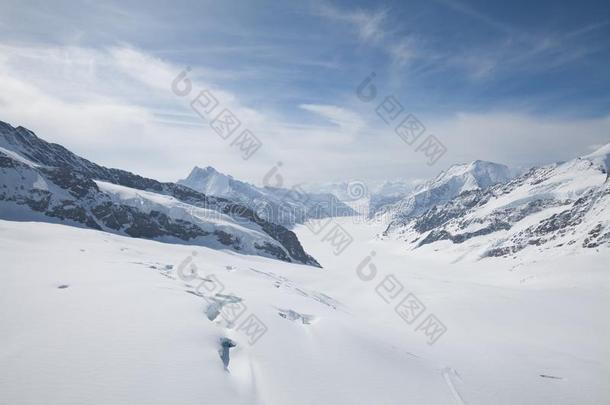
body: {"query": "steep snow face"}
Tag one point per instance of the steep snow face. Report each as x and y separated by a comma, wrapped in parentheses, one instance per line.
(46, 182)
(220, 231)
(277, 205)
(560, 207)
(600, 157)
(447, 185)
(465, 177)
(210, 182)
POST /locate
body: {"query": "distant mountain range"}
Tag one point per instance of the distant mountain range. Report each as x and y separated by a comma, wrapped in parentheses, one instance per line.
(402, 199)
(481, 208)
(488, 209)
(387, 194)
(447, 185)
(277, 205)
(364, 198)
(47, 182)
(476, 207)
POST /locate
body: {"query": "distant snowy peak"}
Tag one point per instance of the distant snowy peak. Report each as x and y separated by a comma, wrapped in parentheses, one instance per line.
(600, 157)
(475, 175)
(450, 183)
(43, 181)
(338, 189)
(208, 181)
(277, 205)
(349, 191)
(559, 208)
(391, 188)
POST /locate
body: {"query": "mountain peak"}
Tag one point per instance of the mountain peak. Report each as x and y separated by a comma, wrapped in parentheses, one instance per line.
(207, 169)
(474, 175)
(458, 178)
(199, 173)
(600, 156)
(208, 180)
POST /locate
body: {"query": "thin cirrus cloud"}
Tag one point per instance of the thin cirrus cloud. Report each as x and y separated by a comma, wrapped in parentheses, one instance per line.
(345, 119)
(372, 28)
(507, 50)
(144, 128)
(111, 101)
(369, 25)
(119, 110)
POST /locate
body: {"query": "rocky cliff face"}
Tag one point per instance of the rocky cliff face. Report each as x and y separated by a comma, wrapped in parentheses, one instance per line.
(48, 179)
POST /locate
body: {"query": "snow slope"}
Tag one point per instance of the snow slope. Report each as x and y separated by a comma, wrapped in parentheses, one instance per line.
(448, 184)
(46, 182)
(560, 207)
(93, 317)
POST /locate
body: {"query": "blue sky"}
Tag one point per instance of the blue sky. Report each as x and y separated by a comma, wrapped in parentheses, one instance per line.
(516, 82)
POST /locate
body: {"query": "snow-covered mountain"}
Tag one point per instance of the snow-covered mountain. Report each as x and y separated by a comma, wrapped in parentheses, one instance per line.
(117, 317)
(387, 194)
(392, 188)
(366, 198)
(277, 205)
(347, 191)
(557, 206)
(47, 182)
(353, 190)
(447, 185)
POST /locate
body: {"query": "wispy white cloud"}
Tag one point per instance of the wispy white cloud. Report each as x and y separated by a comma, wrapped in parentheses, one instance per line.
(519, 139)
(519, 49)
(114, 105)
(345, 119)
(472, 12)
(403, 51)
(372, 28)
(369, 25)
(510, 50)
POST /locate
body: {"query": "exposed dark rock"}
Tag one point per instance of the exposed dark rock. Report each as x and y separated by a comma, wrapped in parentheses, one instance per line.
(452, 220)
(89, 206)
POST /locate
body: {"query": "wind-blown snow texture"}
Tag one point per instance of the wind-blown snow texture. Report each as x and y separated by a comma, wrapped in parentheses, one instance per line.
(98, 318)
